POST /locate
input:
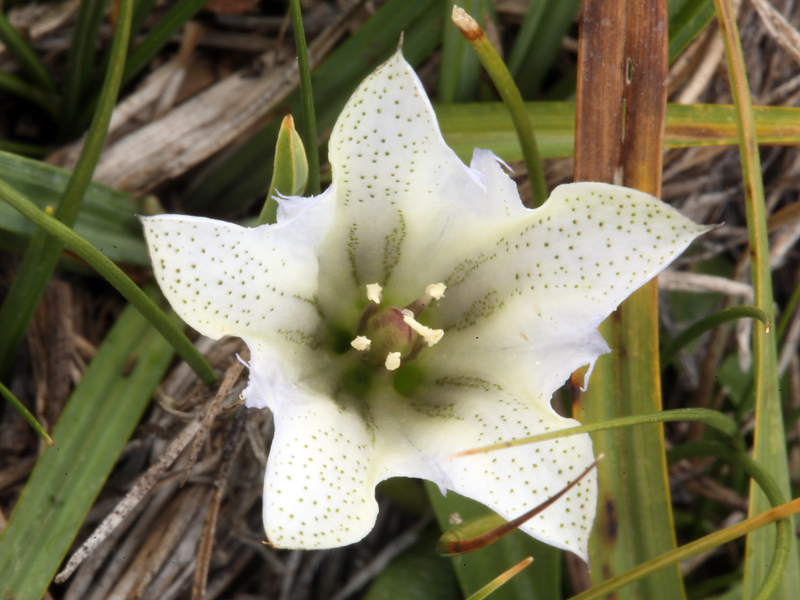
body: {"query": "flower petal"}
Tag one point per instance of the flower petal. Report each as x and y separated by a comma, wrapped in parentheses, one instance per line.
(260, 284)
(530, 298)
(319, 490)
(459, 412)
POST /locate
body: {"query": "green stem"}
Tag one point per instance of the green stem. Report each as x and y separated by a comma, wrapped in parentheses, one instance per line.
(307, 97)
(14, 85)
(785, 536)
(43, 252)
(23, 52)
(710, 322)
(114, 275)
(4, 391)
(22, 148)
(509, 92)
(712, 418)
(769, 448)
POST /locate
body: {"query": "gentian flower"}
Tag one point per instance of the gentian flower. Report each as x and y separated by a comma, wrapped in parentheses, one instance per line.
(413, 310)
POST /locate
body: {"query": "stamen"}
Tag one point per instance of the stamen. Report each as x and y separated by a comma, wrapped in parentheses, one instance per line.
(431, 336)
(361, 343)
(435, 290)
(374, 292)
(392, 361)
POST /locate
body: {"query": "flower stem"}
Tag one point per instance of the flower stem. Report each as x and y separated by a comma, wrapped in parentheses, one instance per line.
(4, 391)
(508, 90)
(114, 275)
(307, 96)
(713, 320)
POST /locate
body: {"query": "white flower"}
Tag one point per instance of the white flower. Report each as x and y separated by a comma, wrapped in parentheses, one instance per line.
(414, 310)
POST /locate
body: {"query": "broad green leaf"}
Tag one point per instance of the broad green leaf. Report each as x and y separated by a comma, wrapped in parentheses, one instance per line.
(419, 572)
(687, 18)
(540, 581)
(290, 172)
(107, 219)
(93, 429)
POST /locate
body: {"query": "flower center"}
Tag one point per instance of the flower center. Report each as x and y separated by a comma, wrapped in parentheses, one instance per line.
(391, 336)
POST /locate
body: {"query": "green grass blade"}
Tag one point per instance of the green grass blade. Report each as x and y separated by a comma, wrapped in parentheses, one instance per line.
(769, 449)
(695, 330)
(687, 18)
(160, 35)
(107, 218)
(114, 275)
(4, 391)
(43, 251)
(530, 67)
(22, 51)
(307, 100)
(459, 69)
(80, 63)
(99, 418)
(14, 85)
(487, 125)
(541, 581)
(526, 38)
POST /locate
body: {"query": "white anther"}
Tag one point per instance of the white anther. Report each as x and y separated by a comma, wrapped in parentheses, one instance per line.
(392, 361)
(436, 290)
(374, 292)
(361, 343)
(431, 336)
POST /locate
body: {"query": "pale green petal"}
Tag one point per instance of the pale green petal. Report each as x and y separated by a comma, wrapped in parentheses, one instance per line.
(458, 412)
(319, 490)
(222, 279)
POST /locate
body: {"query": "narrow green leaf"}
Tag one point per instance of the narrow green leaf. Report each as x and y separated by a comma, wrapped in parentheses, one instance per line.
(114, 275)
(687, 18)
(290, 172)
(96, 423)
(542, 581)
(419, 572)
(459, 69)
(43, 251)
(80, 63)
(500, 580)
(691, 333)
(4, 391)
(530, 63)
(769, 449)
(22, 51)
(14, 85)
(488, 125)
(306, 99)
(502, 79)
(107, 219)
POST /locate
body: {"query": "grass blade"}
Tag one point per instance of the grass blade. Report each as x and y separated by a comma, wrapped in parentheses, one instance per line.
(114, 275)
(80, 63)
(4, 391)
(26, 56)
(768, 449)
(14, 85)
(619, 132)
(99, 418)
(459, 69)
(44, 251)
